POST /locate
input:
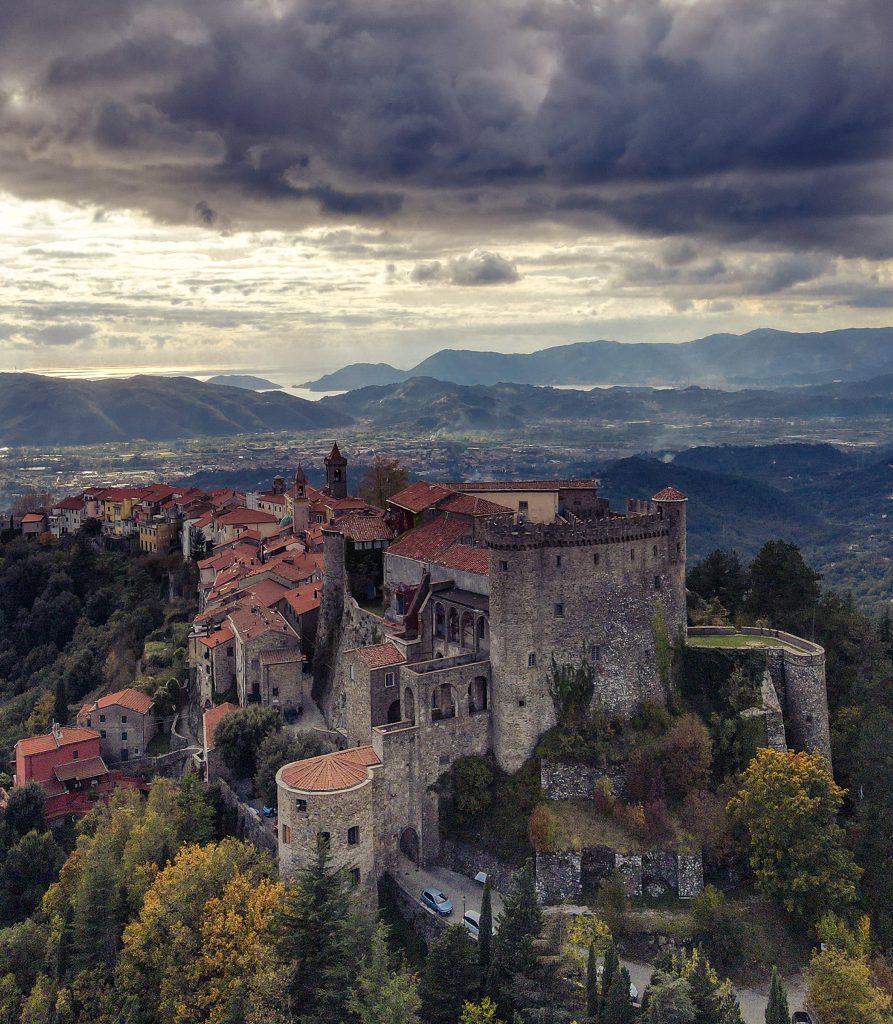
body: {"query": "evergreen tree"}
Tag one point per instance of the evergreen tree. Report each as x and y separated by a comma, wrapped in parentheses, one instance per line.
(609, 971)
(450, 978)
(618, 1004)
(383, 996)
(323, 933)
(519, 924)
(777, 1011)
(592, 999)
(195, 814)
(485, 932)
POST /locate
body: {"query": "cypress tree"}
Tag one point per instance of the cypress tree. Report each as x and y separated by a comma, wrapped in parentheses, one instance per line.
(485, 933)
(609, 970)
(592, 985)
(777, 1011)
(520, 923)
(618, 1005)
(450, 978)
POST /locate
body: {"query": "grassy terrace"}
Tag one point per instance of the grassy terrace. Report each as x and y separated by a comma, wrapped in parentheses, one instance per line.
(739, 642)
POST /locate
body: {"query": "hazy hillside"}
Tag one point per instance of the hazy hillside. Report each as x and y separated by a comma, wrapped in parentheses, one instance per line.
(52, 410)
(243, 380)
(423, 404)
(763, 357)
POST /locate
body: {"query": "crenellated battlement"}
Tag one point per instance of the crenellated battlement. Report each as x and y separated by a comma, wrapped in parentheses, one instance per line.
(612, 529)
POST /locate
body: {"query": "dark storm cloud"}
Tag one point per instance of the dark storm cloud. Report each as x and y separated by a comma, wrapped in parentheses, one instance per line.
(479, 267)
(733, 119)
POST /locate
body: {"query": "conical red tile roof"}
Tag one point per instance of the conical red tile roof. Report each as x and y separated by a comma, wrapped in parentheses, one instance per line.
(329, 773)
(669, 494)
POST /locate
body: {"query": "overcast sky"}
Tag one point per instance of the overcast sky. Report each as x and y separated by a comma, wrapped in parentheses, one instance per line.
(266, 183)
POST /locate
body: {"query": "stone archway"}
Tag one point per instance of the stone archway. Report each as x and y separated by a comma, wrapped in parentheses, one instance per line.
(409, 705)
(409, 844)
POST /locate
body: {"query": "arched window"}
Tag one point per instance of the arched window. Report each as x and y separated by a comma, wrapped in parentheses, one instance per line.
(454, 626)
(408, 706)
(468, 630)
(439, 620)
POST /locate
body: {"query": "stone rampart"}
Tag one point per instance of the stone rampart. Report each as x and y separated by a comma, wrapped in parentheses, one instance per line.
(565, 877)
(567, 780)
(423, 922)
(469, 860)
(248, 823)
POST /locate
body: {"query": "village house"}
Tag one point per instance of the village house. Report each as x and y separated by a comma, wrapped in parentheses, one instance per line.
(210, 720)
(230, 523)
(34, 524)
(67, 516)
(126, 723)
(68, 766)
(271, 682)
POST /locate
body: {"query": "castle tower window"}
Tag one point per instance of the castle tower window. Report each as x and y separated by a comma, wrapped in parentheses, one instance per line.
(595, 653)
(439, 621)
(654, 551)
(503, 566)
(558, 561)
(595, 559)
(389, 678)
(353, 835)
(351, 672)
(355, 876)
(531, 659)
(286, 834)
(300, 806)
(559, 611)
(657, 583)
(632, 554)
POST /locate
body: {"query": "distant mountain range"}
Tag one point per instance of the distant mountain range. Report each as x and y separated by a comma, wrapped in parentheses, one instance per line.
(243, 380)
(36, 410)
(425, 405)
(765, 357)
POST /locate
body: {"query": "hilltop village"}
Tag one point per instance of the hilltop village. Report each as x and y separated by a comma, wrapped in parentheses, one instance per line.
(411, 637)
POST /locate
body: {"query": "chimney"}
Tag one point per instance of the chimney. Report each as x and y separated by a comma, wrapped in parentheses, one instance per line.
(57, 731)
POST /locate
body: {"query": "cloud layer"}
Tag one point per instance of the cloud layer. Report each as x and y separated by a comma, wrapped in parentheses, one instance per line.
(733, 119)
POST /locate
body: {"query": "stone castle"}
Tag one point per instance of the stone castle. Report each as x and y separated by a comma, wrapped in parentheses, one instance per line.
(436, 636)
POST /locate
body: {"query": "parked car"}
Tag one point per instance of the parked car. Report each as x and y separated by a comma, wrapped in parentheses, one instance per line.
(472, 922)
(801, 1017)
(437, 901)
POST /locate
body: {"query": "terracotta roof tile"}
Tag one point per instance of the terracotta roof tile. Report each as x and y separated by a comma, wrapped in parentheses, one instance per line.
(245, 516)
(283, 656)
(90, 768)
(468, 505)
(218, 637)
(420, 495)
(364, 528)
(440, 543)
(380, 656)
(669, 494)
(127, 698)
(212, 718)
(329, 773)
(305, 598)
(39, 744)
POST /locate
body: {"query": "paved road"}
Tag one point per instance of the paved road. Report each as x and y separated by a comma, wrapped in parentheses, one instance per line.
(456, 887)
(753, 1001)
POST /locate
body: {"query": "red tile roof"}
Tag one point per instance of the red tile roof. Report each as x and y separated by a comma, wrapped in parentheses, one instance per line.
(282, 656)
(440, 543)
(245, 516)
(70, 503)
(90, 768)
(250, 621)
(420, 495)
(127, 698)
(218, 637)
(267, 592)
(329, 773)
(380, 656)
(212, 718)
(525, 485)
(468, 505)
(364, 528)
(669, 494)
(34, 517)
(305, 598)
(39, 744)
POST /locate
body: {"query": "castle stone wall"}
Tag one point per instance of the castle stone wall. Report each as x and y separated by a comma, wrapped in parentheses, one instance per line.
(567, 780)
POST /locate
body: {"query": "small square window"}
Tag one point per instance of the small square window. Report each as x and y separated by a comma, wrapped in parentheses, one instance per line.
(657, 583)
(123, 719)
(353, 835)
(124, 735)
(102, 718)
(389, 679)
(355, 876)
(503, 566)
(559, 611)
(523, 506)
(301, 806)
(75, 755)
(531, 659)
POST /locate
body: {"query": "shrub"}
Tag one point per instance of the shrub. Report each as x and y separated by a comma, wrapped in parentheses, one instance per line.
(613, 901)
(635, 820)
(657, 820)
(472, 779)
(718, 927)
(543, 829)
(704, 816)
(645, 775)
(605, 797)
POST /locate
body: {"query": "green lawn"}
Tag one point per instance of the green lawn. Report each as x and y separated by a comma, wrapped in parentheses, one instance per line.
(738, 642)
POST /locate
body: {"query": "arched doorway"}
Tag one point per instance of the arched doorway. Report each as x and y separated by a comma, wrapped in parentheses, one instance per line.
(409, 844)
(477, 695)
(394, 712)
(468, 630)
(453, 626)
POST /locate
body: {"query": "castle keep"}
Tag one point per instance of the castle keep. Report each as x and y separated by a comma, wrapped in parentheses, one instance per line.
(436, 636)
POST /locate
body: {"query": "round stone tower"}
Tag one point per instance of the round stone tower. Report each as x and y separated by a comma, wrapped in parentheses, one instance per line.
(672, 506)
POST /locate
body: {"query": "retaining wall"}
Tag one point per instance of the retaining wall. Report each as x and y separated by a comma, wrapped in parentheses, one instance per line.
(250, 824)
